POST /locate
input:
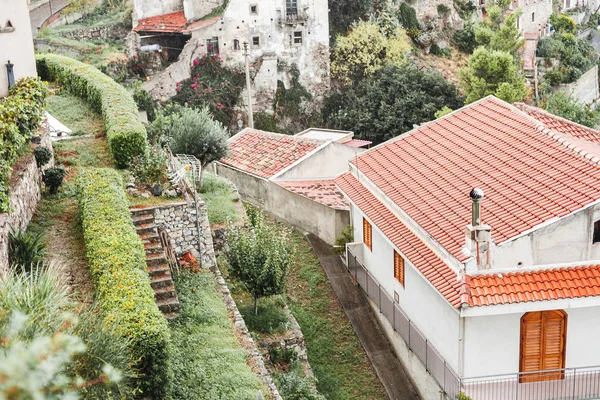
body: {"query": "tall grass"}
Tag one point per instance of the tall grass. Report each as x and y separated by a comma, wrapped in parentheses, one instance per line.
(217, 195)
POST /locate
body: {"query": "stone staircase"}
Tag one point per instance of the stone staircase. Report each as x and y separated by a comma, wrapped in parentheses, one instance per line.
(156, 260)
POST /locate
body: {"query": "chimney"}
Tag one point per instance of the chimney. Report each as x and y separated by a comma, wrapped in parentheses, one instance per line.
(478, 236)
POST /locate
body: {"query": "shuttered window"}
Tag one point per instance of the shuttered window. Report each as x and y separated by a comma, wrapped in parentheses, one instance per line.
(543, 344)
(399, 267)
(367, 234)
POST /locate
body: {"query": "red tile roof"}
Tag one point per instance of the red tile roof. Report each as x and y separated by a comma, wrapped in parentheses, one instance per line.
(560, 124)
(322, 191)
(264, 153)
(528, 177)
(442, 277)
(357, 143)
(170, 23)
(518, 287)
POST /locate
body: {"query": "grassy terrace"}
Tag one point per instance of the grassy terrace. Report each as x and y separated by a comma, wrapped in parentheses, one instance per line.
(208, 361)
(216, 193)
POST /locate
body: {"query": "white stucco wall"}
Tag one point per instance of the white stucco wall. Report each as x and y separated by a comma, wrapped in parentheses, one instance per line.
(328, 162)
(492, 343)
(437, 320)
(150, 8)
(539, 9)
(16, 46)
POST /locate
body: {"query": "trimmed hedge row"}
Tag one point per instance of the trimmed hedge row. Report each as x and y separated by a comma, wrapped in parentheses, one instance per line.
(20, 116)
(116, 259)
(124, 129)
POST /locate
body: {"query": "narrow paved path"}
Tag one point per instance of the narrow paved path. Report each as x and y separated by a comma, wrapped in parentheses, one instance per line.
(390, 371)
(42, 10)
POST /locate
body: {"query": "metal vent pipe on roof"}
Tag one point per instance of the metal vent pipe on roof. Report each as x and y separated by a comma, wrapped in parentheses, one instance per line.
(476, 195)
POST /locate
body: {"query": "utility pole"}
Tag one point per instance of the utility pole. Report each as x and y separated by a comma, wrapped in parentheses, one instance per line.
(248, 88)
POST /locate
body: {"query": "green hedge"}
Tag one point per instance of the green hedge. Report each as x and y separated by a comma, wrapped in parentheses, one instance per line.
(20, 116)
(124, 129)
(116, 259)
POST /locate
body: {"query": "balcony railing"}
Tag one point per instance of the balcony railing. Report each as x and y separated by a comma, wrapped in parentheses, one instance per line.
(564, 384)
(293, 18)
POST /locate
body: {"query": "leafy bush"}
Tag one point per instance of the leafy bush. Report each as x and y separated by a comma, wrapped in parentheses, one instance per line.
(568, 107)
(464, 39)
(151, 167)
(144, 102)
(53, 177)
(43, 155)
(294, 386)
(576, 57)
(464, 8)
(346, 236)
(271, 317)
(117, 262)
(442, 9)
(285, 355)
(124, 129)
(25, 249)
(407, 16)
(20, 115)
(562, 23)
(211, 85)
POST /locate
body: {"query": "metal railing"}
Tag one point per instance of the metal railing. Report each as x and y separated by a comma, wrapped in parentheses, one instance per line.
(563, 384)
(416, 341)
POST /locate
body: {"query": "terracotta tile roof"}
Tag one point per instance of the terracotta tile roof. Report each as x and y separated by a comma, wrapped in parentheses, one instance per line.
(357, 143)
(560, 124)
(518, 287)
(322, 191)
(170, 23)
(264, 153)
(431, 266)
(528, 176)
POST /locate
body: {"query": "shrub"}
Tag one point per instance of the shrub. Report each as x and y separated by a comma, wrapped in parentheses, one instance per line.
(464, 39)
(144, 102)
(53, 177)
(151, 167)
(43, 155)
(294, 386)
(271, 317)
(117, 262)
(25, 248)
(442, 9)
(20, 115)
(124, 129)
(407, 16)
(346, 236)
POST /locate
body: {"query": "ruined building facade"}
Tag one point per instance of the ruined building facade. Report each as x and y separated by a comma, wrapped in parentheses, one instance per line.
(279, 33)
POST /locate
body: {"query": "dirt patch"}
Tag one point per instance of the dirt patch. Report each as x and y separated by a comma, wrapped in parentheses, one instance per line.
(18, 169)
(447, 66)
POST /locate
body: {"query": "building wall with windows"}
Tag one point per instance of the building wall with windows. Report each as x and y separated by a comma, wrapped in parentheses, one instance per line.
(535, 15)
(16, 43)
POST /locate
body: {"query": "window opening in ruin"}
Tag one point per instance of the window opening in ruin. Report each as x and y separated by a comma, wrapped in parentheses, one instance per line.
(253, 9)
(298, 37)
(256, 41)
(236, 44)
(212, 46)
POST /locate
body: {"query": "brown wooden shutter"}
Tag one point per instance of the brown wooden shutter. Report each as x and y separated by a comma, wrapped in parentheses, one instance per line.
(543, 344)
(399, 267)
(367, 234)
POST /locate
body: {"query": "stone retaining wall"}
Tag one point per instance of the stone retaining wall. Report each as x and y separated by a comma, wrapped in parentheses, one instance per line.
(24, 193)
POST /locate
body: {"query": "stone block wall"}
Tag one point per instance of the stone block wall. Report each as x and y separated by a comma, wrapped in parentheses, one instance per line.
(24, 193)
(179, 220)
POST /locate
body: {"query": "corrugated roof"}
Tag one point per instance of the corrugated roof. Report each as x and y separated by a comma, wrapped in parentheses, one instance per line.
(265, 153)
(322, 191)
(528, 176)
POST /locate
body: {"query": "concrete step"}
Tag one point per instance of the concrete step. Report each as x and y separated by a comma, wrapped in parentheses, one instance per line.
(137, 212)
(158, 270)
(146, 228)
(171, 315)
(165, 293)
(153, 247)
(161, 281)
(169, 305)
(143, 219)
(156, 259)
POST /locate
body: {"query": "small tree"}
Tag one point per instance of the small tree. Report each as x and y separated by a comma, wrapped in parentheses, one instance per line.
(492, 72)
(259, 256)
(568, 107)
(194, 132)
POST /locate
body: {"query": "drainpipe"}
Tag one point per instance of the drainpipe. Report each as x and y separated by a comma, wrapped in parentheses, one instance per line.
(461, 345)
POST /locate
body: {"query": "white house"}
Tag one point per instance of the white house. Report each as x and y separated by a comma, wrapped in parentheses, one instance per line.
(291, 177)
(16, 44)
(279, 33)
(478, 237)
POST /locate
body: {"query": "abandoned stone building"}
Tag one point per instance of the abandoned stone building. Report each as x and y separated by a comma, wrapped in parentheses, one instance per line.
(278, 33)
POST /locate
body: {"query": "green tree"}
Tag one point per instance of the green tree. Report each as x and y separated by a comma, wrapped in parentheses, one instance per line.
(443, 111)
(259, 256)
(343, 13)
(365, 50)
(196, 133)
(568, 107)
(492, 72)
(562, 23)
(390, 103)
(500, 34)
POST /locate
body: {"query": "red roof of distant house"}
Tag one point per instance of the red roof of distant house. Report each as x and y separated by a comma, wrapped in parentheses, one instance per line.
(169, 23)
(560, 124)
(322, 191)
(264, 153)
(357, 143)
(528, 176)
(518, 287)
(431, 266)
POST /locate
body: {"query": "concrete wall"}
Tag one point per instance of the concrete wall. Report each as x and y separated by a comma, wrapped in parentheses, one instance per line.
(492, 342)
(269, 59)
(535, 14)
(424, 305)
(328, 162)
(150, 8)
(16, 45)
(306, 214)
(585, 89)
(24, 194)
